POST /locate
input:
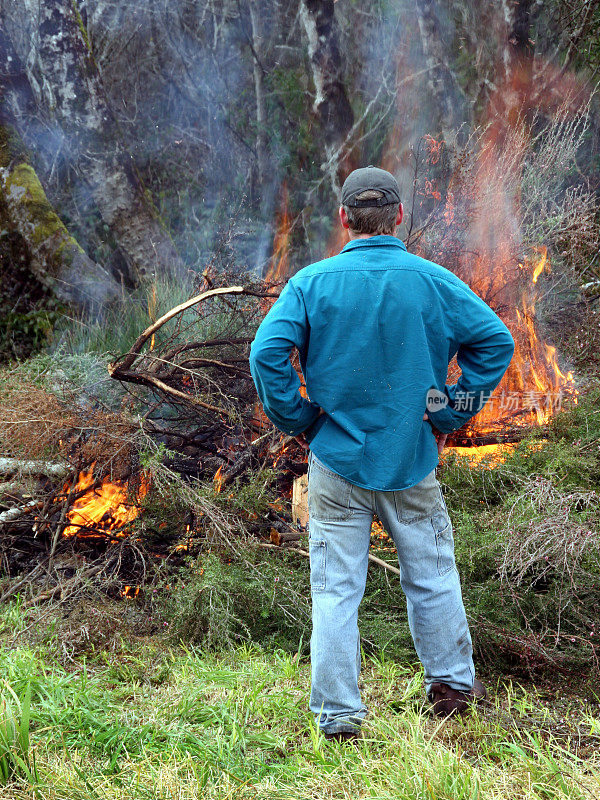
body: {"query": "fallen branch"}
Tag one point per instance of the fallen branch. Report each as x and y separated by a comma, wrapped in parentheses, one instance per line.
(124, 362)
(381, 563)
(150, 380)
(373, 559)
(10, 466)
(61, 587)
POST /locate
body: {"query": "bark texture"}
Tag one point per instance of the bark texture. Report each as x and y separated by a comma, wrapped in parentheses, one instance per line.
(16, 95)
(447, 97)
(55, 257)
(71, 87)
(518, 60)
(331, 99)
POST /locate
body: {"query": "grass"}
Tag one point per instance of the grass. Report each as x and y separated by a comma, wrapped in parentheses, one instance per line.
(14, 736)
(151, 721)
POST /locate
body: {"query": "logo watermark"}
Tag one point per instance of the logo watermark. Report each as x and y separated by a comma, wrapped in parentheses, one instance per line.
(436, 400)
(527, 400)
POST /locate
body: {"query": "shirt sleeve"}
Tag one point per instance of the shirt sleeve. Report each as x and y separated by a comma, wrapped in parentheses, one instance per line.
(277, 382)
(485, 349)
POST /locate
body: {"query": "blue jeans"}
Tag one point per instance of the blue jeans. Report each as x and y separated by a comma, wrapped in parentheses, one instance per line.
(340, 518)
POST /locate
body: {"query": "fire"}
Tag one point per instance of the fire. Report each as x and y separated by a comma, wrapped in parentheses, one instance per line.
(539, 268)
(489, 455)
(493, 453)
(104, 508)
(278, 271)
(218, 480)
(534, 385)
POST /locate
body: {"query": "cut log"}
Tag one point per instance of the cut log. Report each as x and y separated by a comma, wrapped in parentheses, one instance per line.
(279, 538)
(13, 466)
(300, 502)
(19, 511)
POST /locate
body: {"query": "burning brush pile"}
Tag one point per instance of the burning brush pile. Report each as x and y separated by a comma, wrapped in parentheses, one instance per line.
(186, 462)
(80, 482)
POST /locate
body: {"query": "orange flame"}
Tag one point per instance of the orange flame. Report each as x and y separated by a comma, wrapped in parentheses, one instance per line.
(279, 268)
(218, 480)
(533, 387)
(106, 508)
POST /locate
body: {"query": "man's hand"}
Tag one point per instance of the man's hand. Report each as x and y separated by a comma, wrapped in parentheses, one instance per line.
(439, 436)
(301, 438)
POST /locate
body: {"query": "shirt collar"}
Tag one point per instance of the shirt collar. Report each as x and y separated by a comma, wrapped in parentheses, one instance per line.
(374, 241)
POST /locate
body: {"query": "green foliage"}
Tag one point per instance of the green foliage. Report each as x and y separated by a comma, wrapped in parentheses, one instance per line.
(220, 600)
(31, 327)
(63, 374)
(27, 311)
(118, 327)
(526, 544)
(251, 495)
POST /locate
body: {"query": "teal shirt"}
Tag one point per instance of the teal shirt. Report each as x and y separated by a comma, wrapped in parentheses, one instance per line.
(376, 328)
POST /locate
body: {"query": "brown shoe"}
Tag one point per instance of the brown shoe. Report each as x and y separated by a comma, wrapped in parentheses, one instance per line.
(343, 736)
(445, 700)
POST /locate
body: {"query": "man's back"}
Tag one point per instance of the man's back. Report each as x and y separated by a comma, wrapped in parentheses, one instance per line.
(376, 328)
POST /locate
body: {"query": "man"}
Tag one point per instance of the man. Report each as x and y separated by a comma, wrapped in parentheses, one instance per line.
(376, 328)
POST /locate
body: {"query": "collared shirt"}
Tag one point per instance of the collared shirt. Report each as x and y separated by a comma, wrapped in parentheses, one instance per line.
(376, 328)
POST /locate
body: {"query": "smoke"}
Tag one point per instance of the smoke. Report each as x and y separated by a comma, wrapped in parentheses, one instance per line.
(181, 79)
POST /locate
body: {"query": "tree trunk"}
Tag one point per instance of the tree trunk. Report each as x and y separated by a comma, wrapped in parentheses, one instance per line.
(331, 100)
(55, 257)
(71, 86)
(518, 61)
(17, 99)
(448, 98)
(259, 91)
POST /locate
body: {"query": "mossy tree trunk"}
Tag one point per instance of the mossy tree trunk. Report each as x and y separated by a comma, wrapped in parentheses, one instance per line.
(449, 100)
(71, 89)
(55, 257)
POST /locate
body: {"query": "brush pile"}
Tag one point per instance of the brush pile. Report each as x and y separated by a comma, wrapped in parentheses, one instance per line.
(76, 472)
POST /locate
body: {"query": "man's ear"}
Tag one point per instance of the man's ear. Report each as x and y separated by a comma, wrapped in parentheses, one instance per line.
(344, 218)
(400, 214)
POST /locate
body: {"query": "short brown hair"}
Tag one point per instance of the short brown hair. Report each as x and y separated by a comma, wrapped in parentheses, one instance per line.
(374, 220)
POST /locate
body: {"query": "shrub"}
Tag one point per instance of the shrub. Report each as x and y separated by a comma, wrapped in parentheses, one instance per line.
(217, 602)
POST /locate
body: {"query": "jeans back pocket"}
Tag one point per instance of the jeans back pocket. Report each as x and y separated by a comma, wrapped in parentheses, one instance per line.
(328, 494)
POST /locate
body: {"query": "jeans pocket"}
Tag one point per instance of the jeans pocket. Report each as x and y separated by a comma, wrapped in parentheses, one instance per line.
(328, 494)
(318, 562)
(444, 542)
(419, 501)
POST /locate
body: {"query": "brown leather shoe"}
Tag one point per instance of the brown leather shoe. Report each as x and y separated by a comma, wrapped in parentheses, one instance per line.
(343, 736)
(445, 700)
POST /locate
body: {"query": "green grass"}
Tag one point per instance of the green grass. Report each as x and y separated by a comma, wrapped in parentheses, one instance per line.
(14, 736)
(150, 721)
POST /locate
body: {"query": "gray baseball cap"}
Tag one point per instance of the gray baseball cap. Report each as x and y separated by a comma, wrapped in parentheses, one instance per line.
(370, 178)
